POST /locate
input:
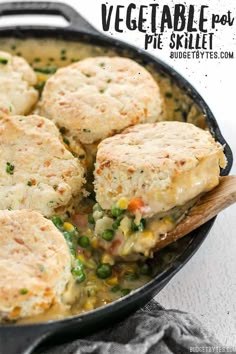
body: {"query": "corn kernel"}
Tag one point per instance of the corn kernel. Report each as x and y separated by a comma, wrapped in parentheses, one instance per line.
(148, 234)
(168, 220)
(122, 203)
(112, 281)
(94, 243)
(41, 77)
(81, 258)
(68, 226)
(89, 305)
(106, 258)
(88, 232)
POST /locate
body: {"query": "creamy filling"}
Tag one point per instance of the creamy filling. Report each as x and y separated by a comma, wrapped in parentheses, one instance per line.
(134, 238)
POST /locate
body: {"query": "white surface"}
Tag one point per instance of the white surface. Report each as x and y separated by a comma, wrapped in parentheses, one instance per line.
(206, 286)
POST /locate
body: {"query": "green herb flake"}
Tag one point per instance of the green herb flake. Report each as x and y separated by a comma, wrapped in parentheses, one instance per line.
(39, 86)
(41, 268)
(87, 75)
(46, 71)
(81, 157)
(10, 168)
(3, 61)
(109, 81)
(66, 141)
(24, 291)
(74, 60)
(86, 130)
(102, 90)
(168, 94)
(63, 51)
(29, 183)
(37, 60)
(63, 58)
(102, 65)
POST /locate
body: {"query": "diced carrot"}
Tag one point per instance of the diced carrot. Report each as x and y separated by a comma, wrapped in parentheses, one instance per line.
(135, 204)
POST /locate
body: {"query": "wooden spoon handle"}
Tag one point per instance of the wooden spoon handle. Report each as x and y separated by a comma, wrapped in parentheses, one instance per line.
(208, 206)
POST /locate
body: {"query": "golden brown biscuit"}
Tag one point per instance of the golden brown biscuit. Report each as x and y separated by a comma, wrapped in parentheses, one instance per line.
(37, 170)
(17, 94)
(98, 97)
(35, 264)
(164, 164)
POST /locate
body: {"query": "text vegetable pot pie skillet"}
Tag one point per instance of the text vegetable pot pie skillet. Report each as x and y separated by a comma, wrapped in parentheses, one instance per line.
(182, 103)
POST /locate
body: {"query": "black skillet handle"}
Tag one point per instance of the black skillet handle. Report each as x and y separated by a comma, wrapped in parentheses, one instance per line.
(24, 339)
(75, 20)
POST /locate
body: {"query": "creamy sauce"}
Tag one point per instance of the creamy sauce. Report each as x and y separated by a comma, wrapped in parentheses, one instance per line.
(92, 292)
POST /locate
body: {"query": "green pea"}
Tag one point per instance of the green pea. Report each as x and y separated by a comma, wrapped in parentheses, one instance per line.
(79, 275)
(91, 219)
(69, 234)
(125, 291)
(80, 278)
(69, 239)
(57, 221)
(115, 211)
(145, 269)
(116, 224)
(3, 61)
(83, 241)
(139, 227)
(108, 235)
(115, 289)
(78, 271)
(104, 271)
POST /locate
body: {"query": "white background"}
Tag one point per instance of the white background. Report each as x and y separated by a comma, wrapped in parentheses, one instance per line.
(207, 284)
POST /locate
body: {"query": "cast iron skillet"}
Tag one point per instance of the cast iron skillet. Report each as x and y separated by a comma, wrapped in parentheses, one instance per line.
(19, 339)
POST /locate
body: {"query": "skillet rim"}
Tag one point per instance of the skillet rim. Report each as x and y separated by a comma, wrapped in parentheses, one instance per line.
(199, 235)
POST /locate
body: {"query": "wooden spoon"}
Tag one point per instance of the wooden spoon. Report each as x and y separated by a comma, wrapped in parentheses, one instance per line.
(207, 207)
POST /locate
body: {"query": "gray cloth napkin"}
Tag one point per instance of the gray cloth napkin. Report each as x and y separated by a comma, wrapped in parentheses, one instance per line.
(152, 329)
